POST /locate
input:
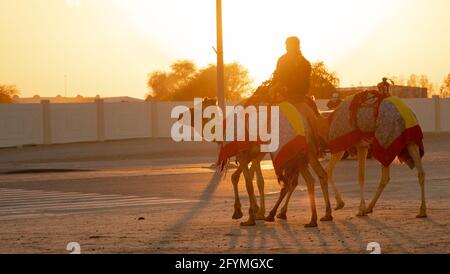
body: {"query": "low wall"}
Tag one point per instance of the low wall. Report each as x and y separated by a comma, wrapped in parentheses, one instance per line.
(45, 123)
(21, 124)
(425, 112)
(445, 114)
(73, 123)
(127, 121)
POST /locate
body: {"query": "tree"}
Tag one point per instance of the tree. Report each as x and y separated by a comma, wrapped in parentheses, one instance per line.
(185, 82)
(413, 80)
(421, 81)
(164, 84)
(7, 93)
(398, 80)
(323, 82)
(445, 88)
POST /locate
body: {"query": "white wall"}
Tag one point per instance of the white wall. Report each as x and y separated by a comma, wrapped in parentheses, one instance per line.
(24, 124)
(127, 120)
(445, 114)
(165, 123)
(72, 123)
(424, 110)
(20, 125)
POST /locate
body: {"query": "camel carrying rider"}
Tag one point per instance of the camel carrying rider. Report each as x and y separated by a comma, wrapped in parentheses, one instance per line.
(292, 78)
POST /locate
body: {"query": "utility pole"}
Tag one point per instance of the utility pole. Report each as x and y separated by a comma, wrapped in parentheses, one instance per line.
(65, 85)
(220, 62)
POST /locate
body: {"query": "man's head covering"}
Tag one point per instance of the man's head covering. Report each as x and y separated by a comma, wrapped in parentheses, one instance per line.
(293, 42)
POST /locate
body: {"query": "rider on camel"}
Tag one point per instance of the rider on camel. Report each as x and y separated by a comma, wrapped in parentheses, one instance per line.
(293, 76)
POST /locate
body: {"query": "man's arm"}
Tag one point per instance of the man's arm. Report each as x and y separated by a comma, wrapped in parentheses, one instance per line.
(277, 73)
(308, 74)
(309, 67)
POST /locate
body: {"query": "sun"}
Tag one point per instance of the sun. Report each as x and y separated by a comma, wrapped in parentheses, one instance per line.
(73, 3)
(255, 30)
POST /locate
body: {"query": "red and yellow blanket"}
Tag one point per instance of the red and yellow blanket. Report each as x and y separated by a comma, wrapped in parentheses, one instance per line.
(293, 137)
(293, 132)
(390, 127)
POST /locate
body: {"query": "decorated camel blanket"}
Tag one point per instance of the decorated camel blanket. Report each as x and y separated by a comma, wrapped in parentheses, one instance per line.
(390, 125)
(293, 139)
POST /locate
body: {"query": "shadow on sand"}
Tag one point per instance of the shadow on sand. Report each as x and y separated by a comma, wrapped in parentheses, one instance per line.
(204, 199)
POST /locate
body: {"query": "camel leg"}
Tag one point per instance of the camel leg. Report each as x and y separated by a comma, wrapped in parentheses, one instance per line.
(291, 188)
(414, 152)
(362, 156)
(260, 182)
(309, 179)
(271, 217)
(385, 178)
(237, 202)
(323, 178)
(251, 194)
(335, 158)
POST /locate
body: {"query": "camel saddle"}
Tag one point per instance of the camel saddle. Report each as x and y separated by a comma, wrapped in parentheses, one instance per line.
(369, 99)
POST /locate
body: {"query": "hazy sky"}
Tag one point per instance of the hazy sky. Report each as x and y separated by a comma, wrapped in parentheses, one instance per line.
(108, 47)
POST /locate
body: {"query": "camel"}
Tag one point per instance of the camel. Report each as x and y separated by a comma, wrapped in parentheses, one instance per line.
(252, 156)
(382, 120)
(291, 170)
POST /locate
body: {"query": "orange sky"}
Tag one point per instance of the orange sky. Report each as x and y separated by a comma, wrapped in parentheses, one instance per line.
(107, 47)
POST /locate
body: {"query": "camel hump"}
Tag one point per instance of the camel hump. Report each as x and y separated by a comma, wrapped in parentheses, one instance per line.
(403, 109)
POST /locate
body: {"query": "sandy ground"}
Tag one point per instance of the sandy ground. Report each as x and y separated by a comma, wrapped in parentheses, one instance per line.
(205, 225)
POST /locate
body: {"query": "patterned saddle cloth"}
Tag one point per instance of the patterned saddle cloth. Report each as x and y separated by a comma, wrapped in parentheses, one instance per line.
(294, 139)
(368, 102)
(387, 121)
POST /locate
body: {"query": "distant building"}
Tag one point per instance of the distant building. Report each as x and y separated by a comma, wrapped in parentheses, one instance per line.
(73, 100)
(399, 91)
(123, 99)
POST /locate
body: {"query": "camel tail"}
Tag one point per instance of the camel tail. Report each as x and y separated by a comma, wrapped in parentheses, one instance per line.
(219, 175)
(224, 171)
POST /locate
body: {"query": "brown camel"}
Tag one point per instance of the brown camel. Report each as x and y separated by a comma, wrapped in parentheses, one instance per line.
(254, 157)
(395, 133)
(251, 156)
(291, 170)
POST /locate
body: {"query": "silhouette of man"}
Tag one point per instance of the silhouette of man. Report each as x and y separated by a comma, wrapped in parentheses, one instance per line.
(293, 71)
(293, 75)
